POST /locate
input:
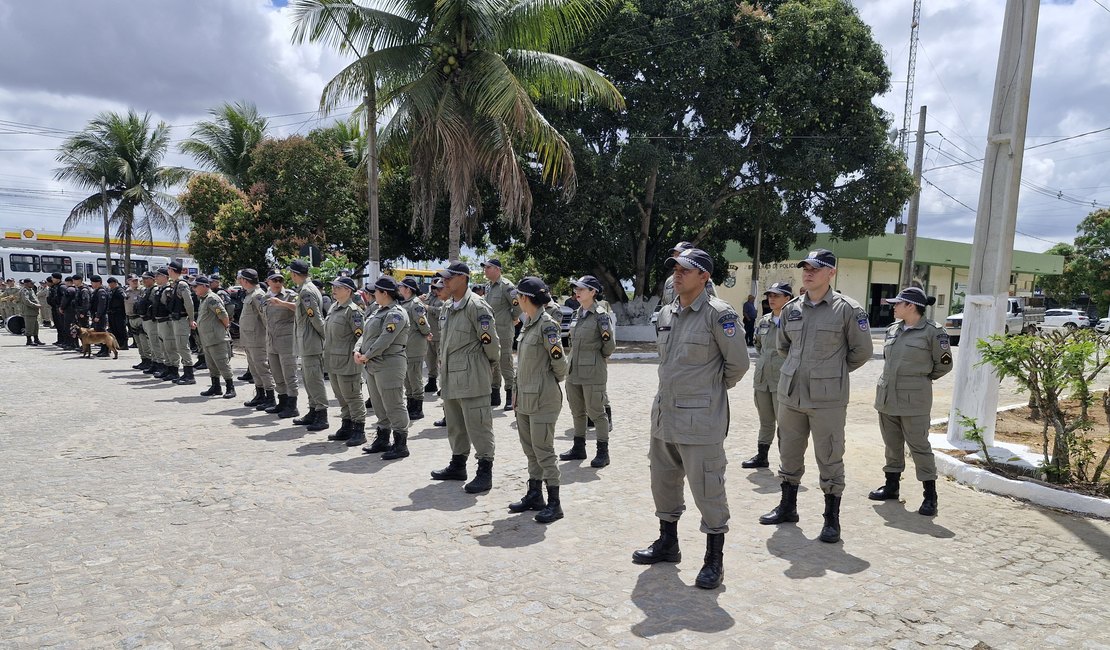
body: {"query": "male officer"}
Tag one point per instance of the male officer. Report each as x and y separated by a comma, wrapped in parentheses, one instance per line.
(309, 324)
(701, 355)
(416, 346)
(82, 302)
(178, 299)
(117, 313)
(468, 351)
(135, 307)
(99, 311)
(767, 366)
(69, 313)
(434, 306)
(30, 306)
(669, 293)
(213, 336)
(506, 312)
(252, 338)
(824, 336)
(155, 310)
(54, 299)
(280, 325)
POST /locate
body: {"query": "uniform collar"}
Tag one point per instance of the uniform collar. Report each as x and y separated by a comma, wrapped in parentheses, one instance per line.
(920, 325)
(827, 298)
(462, 301)
(702, 298)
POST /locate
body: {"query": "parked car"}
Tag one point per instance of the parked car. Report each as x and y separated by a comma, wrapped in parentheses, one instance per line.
(1023, 316)
(1103, 326)
(1071, 319)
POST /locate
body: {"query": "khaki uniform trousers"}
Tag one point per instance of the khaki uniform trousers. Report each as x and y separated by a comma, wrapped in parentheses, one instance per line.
(154, 338)
(901, 431)
(588, 401)
(704, 467)
(259, 367)
(283, 369)
(31, 324)
(312, 372)
(432, 359)
(181, 332)
(414, 379)
(827, 428)
(142, 339)
(348, 390)
(169, 344)
(767, 405)
(218, 358)
(470, 422)
(537, 439)
(503, 367)
(388, 398)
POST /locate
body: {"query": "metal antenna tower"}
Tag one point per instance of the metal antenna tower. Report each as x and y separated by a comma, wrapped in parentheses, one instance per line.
(907, 110)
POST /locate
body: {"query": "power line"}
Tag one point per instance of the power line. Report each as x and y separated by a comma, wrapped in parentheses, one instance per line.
(1104, 7)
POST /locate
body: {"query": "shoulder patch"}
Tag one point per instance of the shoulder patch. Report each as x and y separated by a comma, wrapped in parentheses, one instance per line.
(795, 314)
(946, 359)
(943, 340)
(605, 325)
(861, 320)
(484, 322)
(556, 352)
(396, 317)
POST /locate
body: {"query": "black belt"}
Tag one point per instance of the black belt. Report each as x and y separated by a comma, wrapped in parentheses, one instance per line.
(178, 317)
(162, 319)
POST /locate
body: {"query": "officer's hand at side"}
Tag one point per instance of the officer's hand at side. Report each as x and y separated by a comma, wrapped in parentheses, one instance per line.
(192, 324)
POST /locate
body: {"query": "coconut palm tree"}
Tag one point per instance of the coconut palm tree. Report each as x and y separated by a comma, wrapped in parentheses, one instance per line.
(224, 144)
(463, 79)
(127, 154)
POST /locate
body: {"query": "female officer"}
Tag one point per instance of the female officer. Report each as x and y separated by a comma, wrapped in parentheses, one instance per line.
(382, 350)
(593, 340)
(541, 365)
(916, 352)
(767, 368)
(416, 346)
(342, 328)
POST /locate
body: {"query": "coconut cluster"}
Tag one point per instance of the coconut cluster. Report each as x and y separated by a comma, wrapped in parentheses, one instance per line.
(447, 56)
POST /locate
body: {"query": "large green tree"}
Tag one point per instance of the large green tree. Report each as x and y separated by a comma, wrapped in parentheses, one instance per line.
(742, 121)
(1086, 264)
(126, 153)
(224, 143)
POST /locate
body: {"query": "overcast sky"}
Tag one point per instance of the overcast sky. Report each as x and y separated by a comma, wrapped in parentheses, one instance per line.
(62, 61)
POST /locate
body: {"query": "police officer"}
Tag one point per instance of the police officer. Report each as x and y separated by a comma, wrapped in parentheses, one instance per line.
(506, 311)
(179, 299)
(279, 346)
(309, 323)
(593, 339)
(416, 347)
(42, 292)
(153, 304)
(542, 366)
(54, 298)
(134, 307)
(252, 338)
(343, 327)
(171, 358)
(30, 306)
(382, 352)
(99, 311)
(69, 313)
(767, 366)
(669, 293)
(468, 350)
(82, 302)
(824, 336)
(434, 306)
(701, 355)
(117, 313)
(212, 331)
(916, 352)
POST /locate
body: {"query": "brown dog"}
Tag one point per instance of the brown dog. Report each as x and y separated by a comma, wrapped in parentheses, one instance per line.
(90, 337)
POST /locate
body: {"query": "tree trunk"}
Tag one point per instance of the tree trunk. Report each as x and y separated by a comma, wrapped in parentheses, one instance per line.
(127, 252)
(647, 211)
(454, 227)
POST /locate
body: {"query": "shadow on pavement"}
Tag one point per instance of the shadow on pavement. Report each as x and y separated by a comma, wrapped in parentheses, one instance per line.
(513, 532)
(361, 464)
(898, 516)
(765, 481)
(196, 399)
(578, 471)
(428, 432)
(1083, 530)
(321, 448)
(811, 558)
(669, 605)
(440, 495)
(282, 435)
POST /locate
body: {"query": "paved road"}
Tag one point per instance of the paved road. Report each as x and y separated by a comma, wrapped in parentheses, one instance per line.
(137, 514)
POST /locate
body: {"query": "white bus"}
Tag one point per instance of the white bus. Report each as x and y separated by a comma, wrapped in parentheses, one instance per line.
(38, 264)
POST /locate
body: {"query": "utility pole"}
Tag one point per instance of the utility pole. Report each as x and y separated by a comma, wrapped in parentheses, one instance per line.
(373, 267)
(975, 394)
(755, 261)
(107, 236)
(909, 257)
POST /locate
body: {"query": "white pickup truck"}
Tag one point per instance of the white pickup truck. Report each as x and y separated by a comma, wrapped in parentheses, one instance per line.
(1022, 316)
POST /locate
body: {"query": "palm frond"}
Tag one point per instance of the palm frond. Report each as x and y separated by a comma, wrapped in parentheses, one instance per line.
(345, 25)
(555, 25)
(562, 82)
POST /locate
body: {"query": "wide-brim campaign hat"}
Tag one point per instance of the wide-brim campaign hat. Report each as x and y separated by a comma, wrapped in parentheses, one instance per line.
(691, 258)
(912, 295)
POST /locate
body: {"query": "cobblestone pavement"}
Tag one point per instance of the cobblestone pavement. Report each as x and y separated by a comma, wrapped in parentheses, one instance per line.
(138, 514)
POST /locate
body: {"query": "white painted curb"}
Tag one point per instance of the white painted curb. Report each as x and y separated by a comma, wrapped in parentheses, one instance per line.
(633, 355)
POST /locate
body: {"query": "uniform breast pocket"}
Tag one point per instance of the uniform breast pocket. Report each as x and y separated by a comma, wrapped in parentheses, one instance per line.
(695, 349)
(918, 355)
(829, 338)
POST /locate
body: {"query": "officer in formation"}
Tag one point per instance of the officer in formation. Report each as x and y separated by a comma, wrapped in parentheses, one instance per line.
(309, 342)
(70, 296)
(134, 308)
(117, 313)
(10, 300)
(506, 311)
(252, 338)
(42, 293)
(916, 352)
(433, 305)
(163, 329)
(824, 336)
(31, 308)
(416, 348)
(342, 330)
(766, 375)
(82, 304)
(178, 299)
(381, 351)
(100, 311)
(701, 355)
(151, 309)
(54, 298)
(669, 293)
(212, 327)
(593, 339)
(280, 352)
(542, 366)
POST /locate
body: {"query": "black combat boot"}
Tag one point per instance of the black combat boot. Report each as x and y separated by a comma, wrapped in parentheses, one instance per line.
(508, 399)
(830, 533)
(153, 369)
(358, 434)
(369, 405)
(142, 365)
(554, 509)
(400, 448)
(103, 352)
(602, 457)
(889, 490)
(787, 509)
(442, 422)
(416, 409)
(290, 410)
(344, 431)
(308, 418)
(229, 389)
(495, 396)
(532, 499)
(760, 458)
(187, 378)
(214, 389)
(171, 375)
(267, 401)
(201, 364)
(713, 571)
(609, 414)
(664, 549)
(929, 505)
(259, 395)
(31, 343)
(38, 342)
(320, 422)
(247, 377)
(431, 386)
(577, 451)
(455, 470)
(380, 444)
(277, 406)
(483, 477)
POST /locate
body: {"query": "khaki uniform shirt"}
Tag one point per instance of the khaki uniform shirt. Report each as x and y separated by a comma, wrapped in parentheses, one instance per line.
(701, 356)
(435, 310)
(822, 343)
(30, 304)
(469, 343)
(506, 308)
(385, 340)
(541, 365)
(913, 358)
(185, 295)
(210, 327)
(769, 362)
(593, 339)
(342, 330)
(129, 297)
(418, 328)
(252, 320)
(309, 319)
(279, 325)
